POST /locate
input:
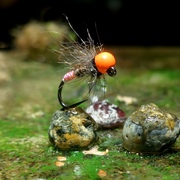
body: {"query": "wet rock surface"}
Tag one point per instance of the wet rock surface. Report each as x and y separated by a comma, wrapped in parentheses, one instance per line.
(106, 115)
(150, 130)
(72, 129)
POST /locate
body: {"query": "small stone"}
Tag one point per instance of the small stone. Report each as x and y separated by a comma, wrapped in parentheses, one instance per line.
(106, 115)
(72, 129)
(150, 130)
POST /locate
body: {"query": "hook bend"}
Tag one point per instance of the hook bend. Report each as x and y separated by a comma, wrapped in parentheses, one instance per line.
(64, 106)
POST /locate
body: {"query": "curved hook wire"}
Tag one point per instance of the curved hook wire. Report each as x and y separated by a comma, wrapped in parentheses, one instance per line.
(61, 101)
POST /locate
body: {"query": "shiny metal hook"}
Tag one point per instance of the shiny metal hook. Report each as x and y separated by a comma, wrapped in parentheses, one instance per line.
(64, 106)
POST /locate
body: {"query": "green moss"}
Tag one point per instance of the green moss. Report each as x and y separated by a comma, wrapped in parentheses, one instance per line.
(31, 100)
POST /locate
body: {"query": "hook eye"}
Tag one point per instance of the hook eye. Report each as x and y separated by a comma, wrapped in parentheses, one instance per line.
(64, 106)
(112, 71)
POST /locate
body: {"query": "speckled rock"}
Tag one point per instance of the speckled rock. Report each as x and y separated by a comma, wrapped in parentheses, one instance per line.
(150, 130)
(72, 129)
(106, 115)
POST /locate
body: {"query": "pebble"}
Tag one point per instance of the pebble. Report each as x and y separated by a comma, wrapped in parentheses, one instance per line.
(106, 115)
(150, 130)
(72, 129)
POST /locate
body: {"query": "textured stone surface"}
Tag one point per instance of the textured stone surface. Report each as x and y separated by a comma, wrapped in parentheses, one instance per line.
(106, 115)
(72, 129)
(150, 130)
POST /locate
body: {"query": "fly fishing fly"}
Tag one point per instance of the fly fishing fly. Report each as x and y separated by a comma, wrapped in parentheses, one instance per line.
(84, 59)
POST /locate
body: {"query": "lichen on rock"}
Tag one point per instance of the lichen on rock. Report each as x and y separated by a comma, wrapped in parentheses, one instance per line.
(72, 129)
(150, 130)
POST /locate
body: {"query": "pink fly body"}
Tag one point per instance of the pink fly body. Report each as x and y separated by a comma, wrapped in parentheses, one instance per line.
(68, 76)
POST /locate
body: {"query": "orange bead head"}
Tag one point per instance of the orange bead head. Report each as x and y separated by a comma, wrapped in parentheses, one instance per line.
(104, 61)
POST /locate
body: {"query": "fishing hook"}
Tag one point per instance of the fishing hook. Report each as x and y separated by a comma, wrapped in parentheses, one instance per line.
(64, 106)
